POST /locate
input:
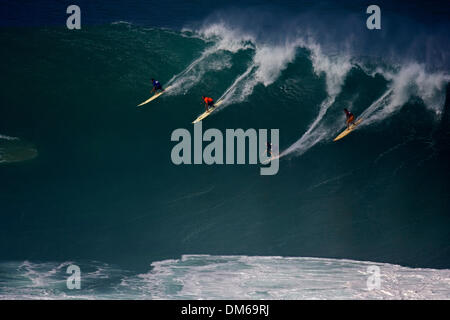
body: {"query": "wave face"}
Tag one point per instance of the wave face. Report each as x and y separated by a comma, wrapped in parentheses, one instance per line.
(228, 277)
(104, 188)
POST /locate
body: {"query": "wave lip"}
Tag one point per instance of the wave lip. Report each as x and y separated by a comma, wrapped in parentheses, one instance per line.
(403, 84)
(409, 81)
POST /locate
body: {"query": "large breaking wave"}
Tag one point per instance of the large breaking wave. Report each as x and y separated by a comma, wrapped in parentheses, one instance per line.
(269, 56)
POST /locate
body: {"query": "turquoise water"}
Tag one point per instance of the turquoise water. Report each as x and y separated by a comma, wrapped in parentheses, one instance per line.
(86, 176)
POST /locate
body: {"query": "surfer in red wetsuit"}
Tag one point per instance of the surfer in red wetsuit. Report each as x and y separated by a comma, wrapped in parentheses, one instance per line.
(350, 118)
(209, 102)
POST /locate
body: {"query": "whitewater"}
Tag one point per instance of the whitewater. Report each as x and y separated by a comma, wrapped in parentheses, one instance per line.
(200, 277)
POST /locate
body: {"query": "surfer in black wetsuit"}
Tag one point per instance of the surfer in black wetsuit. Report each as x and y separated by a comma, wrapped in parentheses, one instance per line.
(269, 149)
(350, 118)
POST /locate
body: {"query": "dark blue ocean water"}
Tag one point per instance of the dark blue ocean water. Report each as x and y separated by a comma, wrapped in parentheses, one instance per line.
(86, 177)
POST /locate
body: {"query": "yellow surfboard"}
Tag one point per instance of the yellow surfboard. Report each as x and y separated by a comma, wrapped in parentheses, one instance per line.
(207, 113)
(348, 130)
(156, 95)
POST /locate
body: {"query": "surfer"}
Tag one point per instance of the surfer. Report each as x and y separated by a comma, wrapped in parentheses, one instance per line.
(156, 85)
(209, 102)
(350, 118)
(269, 149)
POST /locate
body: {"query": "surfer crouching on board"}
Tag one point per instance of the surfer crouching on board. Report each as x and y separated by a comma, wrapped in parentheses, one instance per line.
(209, 102)
(350, 118)
(156, 86)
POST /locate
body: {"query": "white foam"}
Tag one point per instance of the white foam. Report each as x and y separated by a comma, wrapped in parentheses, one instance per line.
(193, 74)
(2, 150)
(314, 134)
(271, 61)
(226, 277)
(4, 137)
(244, 277)
(213, 58)
(267, 63)
(411, 80)
(226, 37)
(48, 280)
(335, 70)
(266, 66)
(237, 90)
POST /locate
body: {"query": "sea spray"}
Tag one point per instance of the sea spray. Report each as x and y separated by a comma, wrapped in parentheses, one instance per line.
(335, 71)
(409, 81)
(224, 40)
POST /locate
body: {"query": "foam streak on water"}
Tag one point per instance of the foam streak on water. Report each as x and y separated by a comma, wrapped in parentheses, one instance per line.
(5, 137)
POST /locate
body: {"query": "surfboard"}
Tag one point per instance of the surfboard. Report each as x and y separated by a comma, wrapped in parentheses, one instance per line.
(207, 113)
(156, 95)
(278, 156)
(348, 130)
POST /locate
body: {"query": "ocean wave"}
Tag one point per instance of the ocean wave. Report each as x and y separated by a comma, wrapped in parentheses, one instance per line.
(335, 71)
(227, 277)
(410, 80)
(193, 74)
(271, 57)
(224, 41)
(267, 65)
(268, 62)
(407, 82)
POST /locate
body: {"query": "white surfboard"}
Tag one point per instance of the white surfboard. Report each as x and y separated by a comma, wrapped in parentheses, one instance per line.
(207, 113)
(272, 158)
(156, 95)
